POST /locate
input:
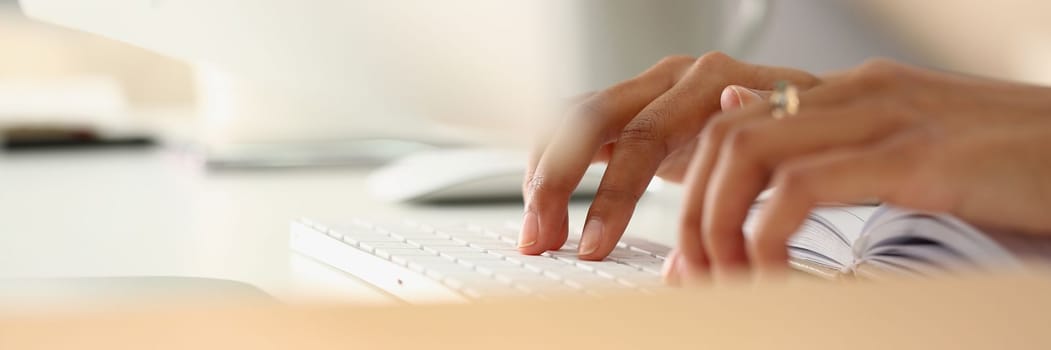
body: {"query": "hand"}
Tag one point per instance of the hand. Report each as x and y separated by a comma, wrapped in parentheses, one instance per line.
(642, 126)
(978, 149)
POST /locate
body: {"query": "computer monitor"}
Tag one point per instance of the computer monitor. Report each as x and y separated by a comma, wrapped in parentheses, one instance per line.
(288, 70)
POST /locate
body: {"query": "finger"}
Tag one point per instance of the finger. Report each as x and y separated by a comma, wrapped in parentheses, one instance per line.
(663, 126)
(543, 140)
(642, 145)
(566, 158)
(882, 170)
(691, 246)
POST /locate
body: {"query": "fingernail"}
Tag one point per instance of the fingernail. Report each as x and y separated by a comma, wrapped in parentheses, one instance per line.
(530, 230)
(744, 95)
(592, 237)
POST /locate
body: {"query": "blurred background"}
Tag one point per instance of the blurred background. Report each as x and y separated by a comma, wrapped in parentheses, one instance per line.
(105, 81)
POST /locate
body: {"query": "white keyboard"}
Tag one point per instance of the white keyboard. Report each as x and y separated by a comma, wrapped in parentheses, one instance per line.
(420, 263)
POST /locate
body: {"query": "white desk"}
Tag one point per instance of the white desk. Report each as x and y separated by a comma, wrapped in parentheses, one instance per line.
(121, 213)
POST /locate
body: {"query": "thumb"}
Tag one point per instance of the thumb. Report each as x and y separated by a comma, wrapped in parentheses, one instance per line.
(736, 96)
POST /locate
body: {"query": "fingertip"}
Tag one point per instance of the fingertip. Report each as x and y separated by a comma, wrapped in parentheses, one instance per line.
(736, 96)
(729, 99)
(591, 240)
(776, 223)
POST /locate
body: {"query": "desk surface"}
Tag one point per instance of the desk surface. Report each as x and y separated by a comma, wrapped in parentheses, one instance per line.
(158, 213)
(986, 313)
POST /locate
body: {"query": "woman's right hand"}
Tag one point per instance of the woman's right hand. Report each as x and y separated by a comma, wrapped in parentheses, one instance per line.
(643, 127)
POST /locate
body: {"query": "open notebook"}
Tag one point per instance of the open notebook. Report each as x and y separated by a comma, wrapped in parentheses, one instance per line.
(871, 242)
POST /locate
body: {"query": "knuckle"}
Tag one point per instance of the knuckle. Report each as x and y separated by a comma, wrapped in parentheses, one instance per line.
(643, 130)
(675, 61)
(542, 188)
(713, 59)
(741, 142)
(880, 64)
(717, 128)
(880, 72)
(792, 179)
(667, 69)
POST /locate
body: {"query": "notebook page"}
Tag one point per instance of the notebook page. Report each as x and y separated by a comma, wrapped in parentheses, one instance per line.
(1026, 247)
(920, 241)
(827, 236)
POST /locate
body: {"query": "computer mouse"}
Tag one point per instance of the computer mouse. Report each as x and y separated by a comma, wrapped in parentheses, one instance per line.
(462, 175)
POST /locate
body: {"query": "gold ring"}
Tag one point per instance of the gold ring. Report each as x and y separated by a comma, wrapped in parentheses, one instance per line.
(785, 100)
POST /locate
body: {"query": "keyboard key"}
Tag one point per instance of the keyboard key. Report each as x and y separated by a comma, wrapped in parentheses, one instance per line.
(583, 264)
(413, 234)
(506, 253)
(614, 270)
(390, 254)
(539, 260)
(404, 260)
(493, 244)
(571, 273)
(439, 249)
(374, 246)
(434, 242)
(519, 276)
(356, 238)
(472, 256)
(645, 246)
(652, 267)
(627, 254)
(542, 267)
(422, 263)
(472, 237)
(498, 266)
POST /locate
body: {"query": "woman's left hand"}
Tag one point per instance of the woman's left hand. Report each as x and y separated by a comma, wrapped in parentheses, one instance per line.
(929, 141)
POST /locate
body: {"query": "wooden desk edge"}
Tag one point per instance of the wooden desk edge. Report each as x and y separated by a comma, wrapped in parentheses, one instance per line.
(975, 312)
